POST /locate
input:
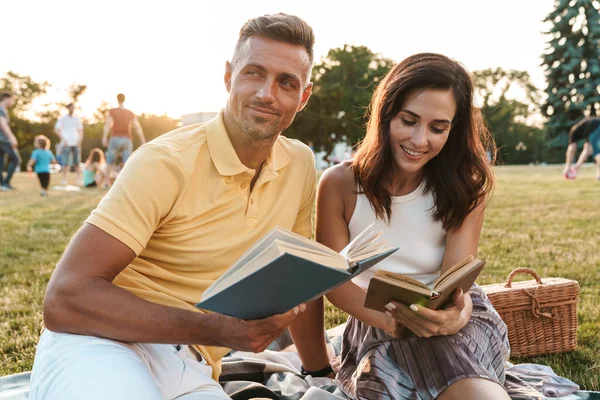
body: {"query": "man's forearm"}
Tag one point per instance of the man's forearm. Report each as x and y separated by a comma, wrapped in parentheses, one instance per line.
(308, 333)
(140, 133)
(97, 307)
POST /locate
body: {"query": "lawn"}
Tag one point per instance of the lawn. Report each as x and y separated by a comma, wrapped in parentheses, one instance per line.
(536, 220)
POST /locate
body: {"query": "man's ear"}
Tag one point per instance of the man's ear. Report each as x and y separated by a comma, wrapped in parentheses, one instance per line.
(227, 77)
(305, 96)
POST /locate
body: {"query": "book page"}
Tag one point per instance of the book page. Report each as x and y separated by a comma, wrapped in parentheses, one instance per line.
(403, 282)
(453, 269)
(457, 274)
(401, 278)
(365, 245)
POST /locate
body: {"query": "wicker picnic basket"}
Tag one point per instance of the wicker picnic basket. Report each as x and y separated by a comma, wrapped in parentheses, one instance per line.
(541, 315)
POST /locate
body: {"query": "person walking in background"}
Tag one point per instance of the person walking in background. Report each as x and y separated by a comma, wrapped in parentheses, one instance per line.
(8, 142)
(95, 168)
(70, 131)
(120, 120)
(42, 157)
(581, 131)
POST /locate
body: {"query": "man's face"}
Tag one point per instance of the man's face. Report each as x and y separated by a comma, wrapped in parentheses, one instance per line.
(71, 109)
(267, 85)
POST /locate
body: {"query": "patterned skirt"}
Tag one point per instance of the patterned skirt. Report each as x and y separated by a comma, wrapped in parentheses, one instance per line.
(375, 365)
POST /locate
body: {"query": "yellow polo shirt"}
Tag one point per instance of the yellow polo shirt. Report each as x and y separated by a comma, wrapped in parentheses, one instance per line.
(183, 205)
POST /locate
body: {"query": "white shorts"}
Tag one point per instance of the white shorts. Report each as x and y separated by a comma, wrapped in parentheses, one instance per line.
(81, 367)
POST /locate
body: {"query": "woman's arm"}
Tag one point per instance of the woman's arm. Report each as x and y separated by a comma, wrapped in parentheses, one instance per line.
(336, 200)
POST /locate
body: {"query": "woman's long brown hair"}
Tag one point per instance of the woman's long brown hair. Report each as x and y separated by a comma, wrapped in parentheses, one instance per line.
(96, 155)
(460, 177)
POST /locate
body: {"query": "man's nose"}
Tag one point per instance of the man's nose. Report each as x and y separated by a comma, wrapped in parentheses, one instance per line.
(266, 91)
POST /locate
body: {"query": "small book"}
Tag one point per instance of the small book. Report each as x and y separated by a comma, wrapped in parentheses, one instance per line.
(284, 269)
(388, 286)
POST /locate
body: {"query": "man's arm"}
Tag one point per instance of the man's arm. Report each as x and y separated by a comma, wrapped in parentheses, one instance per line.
(57, 129)
(107, 125)
(6, 129)
(138, 129)
(82, 299)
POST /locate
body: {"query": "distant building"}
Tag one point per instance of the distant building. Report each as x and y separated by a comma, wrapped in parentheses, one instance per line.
(197, 118)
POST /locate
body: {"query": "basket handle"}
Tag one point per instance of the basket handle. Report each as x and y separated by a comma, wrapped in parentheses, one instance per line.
(520, 270)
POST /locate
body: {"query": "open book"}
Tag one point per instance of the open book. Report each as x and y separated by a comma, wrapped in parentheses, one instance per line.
(388, 286)
(284, 269)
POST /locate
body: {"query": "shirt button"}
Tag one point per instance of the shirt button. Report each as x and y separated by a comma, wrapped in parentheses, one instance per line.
(243, 186)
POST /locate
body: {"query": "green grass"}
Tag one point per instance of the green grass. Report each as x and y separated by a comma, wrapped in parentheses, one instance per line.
(536, 220)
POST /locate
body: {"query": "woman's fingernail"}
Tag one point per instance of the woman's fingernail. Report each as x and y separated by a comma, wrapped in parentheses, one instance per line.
(414, 308)
(389, 314)
(390, 306)
(302, 307)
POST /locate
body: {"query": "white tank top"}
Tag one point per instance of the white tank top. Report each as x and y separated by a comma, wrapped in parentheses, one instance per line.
(420, 239)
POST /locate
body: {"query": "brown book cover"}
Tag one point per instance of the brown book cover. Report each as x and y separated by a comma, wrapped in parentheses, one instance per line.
(388, 286)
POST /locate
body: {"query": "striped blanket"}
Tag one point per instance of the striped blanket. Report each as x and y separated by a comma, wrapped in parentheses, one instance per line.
(275, 374)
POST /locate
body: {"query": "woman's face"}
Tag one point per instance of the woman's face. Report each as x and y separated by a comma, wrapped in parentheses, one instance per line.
(420, 129)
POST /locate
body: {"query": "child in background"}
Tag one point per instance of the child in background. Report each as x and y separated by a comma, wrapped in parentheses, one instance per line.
(95, 169)
(42, 157)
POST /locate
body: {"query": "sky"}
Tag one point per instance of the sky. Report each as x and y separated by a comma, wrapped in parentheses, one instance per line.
(169, 56)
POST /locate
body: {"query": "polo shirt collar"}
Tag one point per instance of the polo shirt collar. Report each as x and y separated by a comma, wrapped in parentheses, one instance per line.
(226, 159)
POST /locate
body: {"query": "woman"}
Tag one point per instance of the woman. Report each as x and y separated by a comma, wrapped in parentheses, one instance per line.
(422, 175)
(95, 167)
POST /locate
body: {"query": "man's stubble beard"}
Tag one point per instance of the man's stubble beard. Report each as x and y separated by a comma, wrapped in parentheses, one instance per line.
(257, 129)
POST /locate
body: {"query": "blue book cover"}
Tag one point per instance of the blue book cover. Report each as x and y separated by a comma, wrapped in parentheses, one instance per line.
(282, 284)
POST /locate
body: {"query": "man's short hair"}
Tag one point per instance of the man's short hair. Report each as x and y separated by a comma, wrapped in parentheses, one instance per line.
(282, 28)
(121, 98)
(70, 105)
(5, 95)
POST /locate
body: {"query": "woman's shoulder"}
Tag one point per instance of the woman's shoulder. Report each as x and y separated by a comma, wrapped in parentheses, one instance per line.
(339, 177)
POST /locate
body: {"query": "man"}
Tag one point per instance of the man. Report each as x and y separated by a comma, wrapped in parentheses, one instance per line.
(120, 120)
(69, 129)
(184, 208)
(8, 142)
(580, 131)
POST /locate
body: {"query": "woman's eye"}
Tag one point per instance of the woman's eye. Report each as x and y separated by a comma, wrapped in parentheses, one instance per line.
(407, 122)
(438, 130)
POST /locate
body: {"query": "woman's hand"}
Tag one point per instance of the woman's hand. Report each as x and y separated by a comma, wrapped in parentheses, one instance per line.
(424, 322)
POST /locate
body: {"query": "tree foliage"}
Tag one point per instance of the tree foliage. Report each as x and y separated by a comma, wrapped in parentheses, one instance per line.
(508, 118)
(344, 82)
(572, 64)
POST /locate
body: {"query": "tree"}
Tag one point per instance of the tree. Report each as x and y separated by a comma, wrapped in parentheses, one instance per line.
(343, 85)
(572, 65)
(509, 119)
(23, 88)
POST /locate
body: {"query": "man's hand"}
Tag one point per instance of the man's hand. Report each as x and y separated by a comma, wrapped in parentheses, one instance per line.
(424, 322)
(14, 143)
(255, 335)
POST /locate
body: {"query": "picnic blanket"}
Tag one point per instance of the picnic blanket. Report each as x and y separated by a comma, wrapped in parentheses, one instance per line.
(275, 374)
